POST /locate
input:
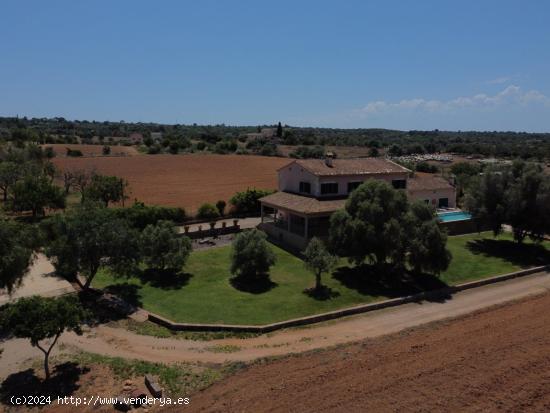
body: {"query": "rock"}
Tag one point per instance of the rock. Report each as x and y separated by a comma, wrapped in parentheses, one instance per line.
(153, 386)
(121, 405)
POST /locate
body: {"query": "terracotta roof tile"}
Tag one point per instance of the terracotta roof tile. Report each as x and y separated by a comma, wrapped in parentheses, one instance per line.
(302, 204)
(357, 166)
(427, 182)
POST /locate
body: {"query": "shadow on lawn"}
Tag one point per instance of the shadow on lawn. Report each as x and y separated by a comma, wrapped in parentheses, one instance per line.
(119, 301)
(165, 279)
(523, 255)
(63, 382)
(322, 294)
(257, 285)
(368, 280)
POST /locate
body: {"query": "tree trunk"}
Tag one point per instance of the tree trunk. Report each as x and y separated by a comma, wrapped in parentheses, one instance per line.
(318, 281)
(47, 365)
(93, 272)
(47, 355)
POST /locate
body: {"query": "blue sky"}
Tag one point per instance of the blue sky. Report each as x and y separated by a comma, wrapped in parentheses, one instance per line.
(464, 65)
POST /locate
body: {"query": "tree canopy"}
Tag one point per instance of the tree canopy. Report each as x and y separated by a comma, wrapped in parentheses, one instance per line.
(251, 256)
(87, 238)
(380, 226)
(16, 253)
(161, 247)
(517, 195)
(105, 189)
(39, 318)
(318, 260)
(35, 193)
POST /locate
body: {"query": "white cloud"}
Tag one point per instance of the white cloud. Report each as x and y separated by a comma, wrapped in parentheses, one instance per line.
(512, 96)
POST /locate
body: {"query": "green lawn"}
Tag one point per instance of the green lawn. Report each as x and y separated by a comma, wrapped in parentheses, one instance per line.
(204, 293)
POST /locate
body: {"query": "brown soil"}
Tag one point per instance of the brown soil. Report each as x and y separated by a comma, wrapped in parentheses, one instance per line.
(60, 149)
(184, 180)
(494, 360)
(68, 380)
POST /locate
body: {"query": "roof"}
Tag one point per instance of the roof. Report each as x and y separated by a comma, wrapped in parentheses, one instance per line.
(423, 182)
(302, 204)
(357, 166)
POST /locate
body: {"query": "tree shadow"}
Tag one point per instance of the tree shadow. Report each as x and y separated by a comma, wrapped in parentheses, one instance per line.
(165, 279)
(63, 382)
(523, 255)
(390, 282)
(258, 285)
(112, 303)
(322, 294)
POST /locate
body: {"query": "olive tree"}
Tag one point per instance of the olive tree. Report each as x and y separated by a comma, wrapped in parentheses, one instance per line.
(88, 238)
(16, 253)
(39, 318)
(162, 248)
(370, 227)
(380, 226)
(318, 260)
(251, 256)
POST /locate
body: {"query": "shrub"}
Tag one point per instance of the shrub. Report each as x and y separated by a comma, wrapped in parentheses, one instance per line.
(246, 202)
(139, 215)
(269, 149)
(74, 152)
(303, 152)
(207, 211)
(106, 150)
(426, 167)
(154, 149)
(220, 206)
(49, 152)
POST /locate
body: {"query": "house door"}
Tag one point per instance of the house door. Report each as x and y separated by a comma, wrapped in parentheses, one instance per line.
(443, 202)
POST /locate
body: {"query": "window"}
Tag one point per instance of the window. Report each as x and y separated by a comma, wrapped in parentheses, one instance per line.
(305, 187)
(329, 188)
(399, 183)
(443, 202)
(353, 185)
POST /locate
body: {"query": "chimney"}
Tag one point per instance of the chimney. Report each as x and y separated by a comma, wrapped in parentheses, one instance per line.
(329, 156)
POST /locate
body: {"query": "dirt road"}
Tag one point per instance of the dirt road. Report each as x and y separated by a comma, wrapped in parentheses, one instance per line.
(122, 343)
(489, 361)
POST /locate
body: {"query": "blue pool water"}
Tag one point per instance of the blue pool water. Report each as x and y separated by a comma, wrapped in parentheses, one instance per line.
(453, 216)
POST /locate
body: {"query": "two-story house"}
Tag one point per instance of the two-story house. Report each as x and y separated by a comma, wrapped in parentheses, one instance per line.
(310, 190)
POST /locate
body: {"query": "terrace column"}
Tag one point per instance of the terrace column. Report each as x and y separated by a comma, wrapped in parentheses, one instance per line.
(288, 221)
(262, 209)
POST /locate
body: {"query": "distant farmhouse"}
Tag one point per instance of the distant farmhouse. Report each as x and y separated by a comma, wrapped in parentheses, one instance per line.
(311, 190)
(265, 133)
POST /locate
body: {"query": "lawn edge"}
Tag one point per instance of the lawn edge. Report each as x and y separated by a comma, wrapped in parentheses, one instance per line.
(343, 312)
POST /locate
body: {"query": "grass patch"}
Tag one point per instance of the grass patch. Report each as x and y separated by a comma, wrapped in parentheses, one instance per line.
(208, 296)
(480, 256)
(228, 348)
(176, 379)
(148, 328)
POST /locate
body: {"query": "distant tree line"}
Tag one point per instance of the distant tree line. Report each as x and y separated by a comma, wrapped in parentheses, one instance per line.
(225, 139)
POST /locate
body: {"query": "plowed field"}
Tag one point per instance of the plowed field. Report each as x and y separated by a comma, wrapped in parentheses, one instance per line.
(494, 360)
(184, 180)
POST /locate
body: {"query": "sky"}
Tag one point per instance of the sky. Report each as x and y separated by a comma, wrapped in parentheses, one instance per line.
(445, 64)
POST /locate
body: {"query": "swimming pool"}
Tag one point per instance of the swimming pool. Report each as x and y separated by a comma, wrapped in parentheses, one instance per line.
(454, 216)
